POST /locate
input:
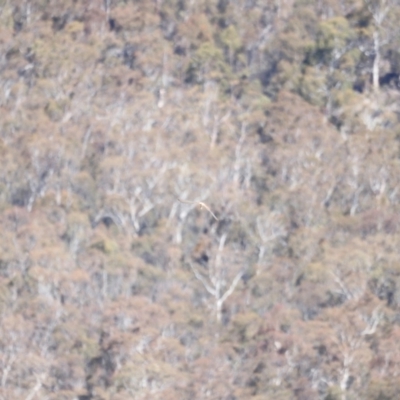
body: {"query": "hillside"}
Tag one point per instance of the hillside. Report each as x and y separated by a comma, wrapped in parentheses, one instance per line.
(282, 117)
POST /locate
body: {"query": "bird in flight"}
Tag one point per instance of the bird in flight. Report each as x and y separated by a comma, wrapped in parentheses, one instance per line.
(201, 204)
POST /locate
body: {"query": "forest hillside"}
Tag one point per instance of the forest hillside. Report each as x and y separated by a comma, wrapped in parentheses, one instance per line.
(282, 117)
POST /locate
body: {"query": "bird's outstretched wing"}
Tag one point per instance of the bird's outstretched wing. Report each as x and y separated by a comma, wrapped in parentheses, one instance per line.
(201, 204)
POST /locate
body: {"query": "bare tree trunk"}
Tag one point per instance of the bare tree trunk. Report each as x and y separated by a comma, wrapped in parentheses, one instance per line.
(107, 6)
(379, 11)
(375, 67)
(214, 282)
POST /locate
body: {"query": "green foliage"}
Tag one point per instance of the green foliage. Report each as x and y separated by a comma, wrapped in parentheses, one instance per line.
(206, 64)
(288, 77)
(334, 393)
(298, 37)
(313, 87)
(245, 326)
(107, 246)
(231, 38)
(347, 105)
(317, 273)
(74, 28)
(6, 17)
(382, 389)
(55, 110)
(332, 39)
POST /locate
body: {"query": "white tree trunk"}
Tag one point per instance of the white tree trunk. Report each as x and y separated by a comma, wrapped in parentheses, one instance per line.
(375, 67)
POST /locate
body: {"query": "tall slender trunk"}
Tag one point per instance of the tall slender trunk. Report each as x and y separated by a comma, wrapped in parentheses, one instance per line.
(375, 67)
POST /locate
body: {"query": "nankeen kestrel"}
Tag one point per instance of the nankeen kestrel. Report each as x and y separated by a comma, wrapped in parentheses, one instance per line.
(201, 204)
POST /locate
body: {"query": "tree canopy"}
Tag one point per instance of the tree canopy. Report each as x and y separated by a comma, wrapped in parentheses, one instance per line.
(199, 199)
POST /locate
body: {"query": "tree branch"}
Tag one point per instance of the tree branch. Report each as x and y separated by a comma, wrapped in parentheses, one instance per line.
(203, 281)
(231, 288)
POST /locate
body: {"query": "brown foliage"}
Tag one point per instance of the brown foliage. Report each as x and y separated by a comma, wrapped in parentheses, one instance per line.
(112, 111)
